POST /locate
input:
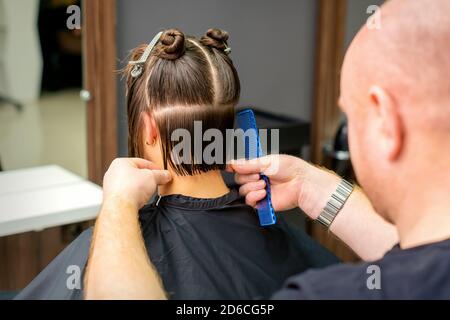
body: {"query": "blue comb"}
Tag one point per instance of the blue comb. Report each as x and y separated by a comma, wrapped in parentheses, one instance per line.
(246, 121)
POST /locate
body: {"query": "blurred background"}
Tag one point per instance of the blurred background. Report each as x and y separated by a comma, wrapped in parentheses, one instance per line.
(62, 105)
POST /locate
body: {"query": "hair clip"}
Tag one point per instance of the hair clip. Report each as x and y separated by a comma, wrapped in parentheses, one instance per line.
(137, 70)
(227, 49)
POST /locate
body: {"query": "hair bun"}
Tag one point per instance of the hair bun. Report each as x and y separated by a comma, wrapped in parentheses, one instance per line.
(172, 45)
(215, 38)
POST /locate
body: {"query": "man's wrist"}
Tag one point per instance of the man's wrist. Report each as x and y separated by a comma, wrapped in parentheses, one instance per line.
(118, 204)
(317, 186)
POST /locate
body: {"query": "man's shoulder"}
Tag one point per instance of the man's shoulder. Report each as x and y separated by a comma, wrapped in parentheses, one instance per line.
(419, 273)
(342, 281)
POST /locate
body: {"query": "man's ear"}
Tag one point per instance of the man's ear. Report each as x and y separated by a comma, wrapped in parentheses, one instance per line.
(390, 127)
(150, 128)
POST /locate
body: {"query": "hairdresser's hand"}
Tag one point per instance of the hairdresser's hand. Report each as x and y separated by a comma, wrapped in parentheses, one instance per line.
(294, 183)
(132, 180)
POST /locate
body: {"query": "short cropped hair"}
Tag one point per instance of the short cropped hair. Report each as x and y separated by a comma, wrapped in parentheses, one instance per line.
(184, 80)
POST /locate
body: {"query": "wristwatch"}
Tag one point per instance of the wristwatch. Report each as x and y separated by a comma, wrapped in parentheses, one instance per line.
(335, 204)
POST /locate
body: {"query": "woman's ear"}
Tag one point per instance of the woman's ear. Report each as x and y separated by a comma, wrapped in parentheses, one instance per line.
(389, 128)
(150, 128)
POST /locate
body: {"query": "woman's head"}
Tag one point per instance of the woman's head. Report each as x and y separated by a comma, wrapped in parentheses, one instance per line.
(183, 80)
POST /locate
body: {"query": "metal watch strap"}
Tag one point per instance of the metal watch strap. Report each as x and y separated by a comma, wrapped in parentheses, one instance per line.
(335, 204)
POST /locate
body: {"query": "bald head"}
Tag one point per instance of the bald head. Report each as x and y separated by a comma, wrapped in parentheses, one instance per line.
(395, 90)
(409, 56)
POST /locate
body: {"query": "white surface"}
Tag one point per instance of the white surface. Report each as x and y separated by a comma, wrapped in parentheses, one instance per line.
(38, 198)
(35, 178)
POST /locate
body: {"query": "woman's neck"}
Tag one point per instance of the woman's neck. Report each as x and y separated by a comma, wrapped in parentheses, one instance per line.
(204, 185)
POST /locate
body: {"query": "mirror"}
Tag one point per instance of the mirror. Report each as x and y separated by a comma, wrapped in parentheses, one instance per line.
(42, 118)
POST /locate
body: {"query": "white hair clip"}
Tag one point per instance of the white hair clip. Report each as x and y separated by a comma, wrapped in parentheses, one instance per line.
(227, 48)
(137, 70)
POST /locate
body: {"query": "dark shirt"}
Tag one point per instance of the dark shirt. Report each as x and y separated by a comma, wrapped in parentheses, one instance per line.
(422, 272)
(202, 249)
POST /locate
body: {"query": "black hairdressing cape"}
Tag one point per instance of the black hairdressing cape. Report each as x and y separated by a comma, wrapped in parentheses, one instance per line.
(202, 249)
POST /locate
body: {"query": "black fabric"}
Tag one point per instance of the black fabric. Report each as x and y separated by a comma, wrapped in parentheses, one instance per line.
(51, 283)
(203, 249)
(417, 273)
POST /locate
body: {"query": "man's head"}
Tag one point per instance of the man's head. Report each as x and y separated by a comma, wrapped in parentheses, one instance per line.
(395, 90)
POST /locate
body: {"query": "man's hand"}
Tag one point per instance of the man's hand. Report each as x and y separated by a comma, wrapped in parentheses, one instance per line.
(293, 183)
(119, 267)
(296, 183)
(132, 180)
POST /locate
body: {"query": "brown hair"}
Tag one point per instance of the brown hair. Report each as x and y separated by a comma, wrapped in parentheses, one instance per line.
(184, 80)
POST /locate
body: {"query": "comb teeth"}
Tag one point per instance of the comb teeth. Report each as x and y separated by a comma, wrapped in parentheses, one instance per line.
(246, 121)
